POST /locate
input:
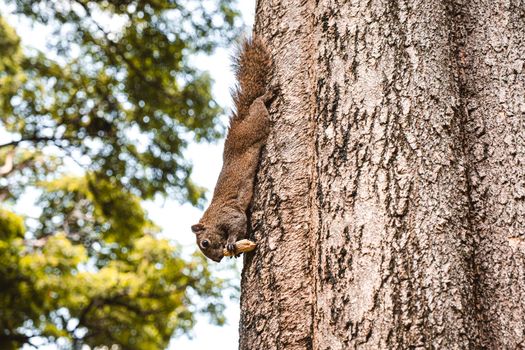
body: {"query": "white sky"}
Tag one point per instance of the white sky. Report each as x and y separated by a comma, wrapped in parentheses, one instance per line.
(174, 219)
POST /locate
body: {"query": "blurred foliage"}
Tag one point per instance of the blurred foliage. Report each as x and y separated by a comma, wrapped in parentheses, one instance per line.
(138, 299)
(116, 96)
(116, 86)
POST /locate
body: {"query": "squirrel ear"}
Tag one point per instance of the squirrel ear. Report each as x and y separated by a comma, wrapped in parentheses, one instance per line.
(197, 227)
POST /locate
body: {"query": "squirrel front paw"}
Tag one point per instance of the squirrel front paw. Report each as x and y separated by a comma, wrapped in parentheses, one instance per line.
(230, 246)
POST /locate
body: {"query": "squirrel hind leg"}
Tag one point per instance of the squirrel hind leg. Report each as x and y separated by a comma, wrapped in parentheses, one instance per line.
(258, 118)
(258, 113)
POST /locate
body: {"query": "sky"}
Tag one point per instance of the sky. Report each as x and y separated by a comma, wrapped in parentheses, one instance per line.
(175, 219)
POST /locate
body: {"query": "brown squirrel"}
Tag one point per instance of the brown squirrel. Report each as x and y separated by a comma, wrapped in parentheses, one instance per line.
(225, 222)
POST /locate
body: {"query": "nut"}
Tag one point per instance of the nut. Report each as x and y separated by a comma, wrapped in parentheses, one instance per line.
(241, 246)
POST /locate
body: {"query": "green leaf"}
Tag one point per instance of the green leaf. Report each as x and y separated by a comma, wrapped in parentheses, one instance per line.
(116, 95)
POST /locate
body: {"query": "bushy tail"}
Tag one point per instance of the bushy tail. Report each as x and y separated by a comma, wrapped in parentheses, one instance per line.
(252, 69)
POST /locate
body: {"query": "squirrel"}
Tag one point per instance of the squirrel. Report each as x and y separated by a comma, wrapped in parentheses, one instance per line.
(225, 221)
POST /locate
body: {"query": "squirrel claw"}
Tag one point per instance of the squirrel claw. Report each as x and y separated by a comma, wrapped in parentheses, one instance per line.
(271, 94)
(230, 247)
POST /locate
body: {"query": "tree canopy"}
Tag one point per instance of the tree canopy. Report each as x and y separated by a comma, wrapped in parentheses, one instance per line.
(116, 94)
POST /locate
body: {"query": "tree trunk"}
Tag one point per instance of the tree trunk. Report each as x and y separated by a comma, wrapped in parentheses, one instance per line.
(390, 202)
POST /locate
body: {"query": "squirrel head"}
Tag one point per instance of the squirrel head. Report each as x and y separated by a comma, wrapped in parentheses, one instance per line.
(209, 241)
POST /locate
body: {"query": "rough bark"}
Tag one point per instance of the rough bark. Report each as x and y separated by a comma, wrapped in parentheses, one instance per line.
(390, 203)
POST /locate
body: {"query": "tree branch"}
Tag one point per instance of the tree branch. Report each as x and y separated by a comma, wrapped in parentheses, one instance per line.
(35, 139)
(29, 139)
(16, 337)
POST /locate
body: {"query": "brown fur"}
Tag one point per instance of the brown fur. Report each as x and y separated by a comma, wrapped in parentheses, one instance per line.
(224, 222)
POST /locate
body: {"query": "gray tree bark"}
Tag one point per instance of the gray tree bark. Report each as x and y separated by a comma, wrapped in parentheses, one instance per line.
(390, 202)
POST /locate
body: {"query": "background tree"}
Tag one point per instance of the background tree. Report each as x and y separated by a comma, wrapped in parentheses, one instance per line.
(114, 92)
(390, 207)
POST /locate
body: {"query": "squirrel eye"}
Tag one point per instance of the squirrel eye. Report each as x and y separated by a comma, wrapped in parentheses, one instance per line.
(205, 244)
